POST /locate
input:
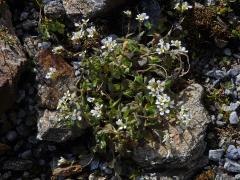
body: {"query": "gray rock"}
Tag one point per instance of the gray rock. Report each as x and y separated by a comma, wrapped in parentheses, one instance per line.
(26, 174)
(232, 166)
(23, 16)
(237, 81)
(29, 24)
(234, 71)
(26, 154)
(17, 165)
(105, 168)
(215, 155)
(32, 140)
(223, 176)
(233, 118)
(220, 123)
(7, 175)
(234, 106)
(220, 116)
(76, 9)
(185, 147)
(210, 2)
(175, 174)
(52, 148)
(217, 74)
(236, 55)
(18, 145)
(220, 42)
(44, 45)
(50, 129)
(23, 130)
(13, 61)
(237, 177)
(11, 136)
(54, 9)
(227, 52)
(31, 45)
(233, 153)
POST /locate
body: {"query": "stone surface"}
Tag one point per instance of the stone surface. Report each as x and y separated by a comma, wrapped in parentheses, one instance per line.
(223, 176)
(175, 174)
(233, 153)
(89, 8)
(233, 118)
(50, 129)
(50, 91)
(54, 9)
(216, 155)
(17, 165)
(232, 166)
(185, 148)
(66, 171)
(12, 62)
(4, 148)
(31, 45)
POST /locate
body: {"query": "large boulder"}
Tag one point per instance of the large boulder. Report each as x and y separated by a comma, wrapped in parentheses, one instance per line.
(51, 129)
(91, 8)
(12, 59)
(50, 91)
(187, 147)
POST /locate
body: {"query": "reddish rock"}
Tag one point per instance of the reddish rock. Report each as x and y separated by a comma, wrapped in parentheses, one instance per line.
(51, 90)
(12, 60)
(4, 148)
(185, 149)
(66, 171)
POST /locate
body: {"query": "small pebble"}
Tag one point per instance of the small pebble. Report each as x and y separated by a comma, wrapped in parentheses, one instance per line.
(232, 166)
(227, 52)
(237, 177)
(26, 154)
(23, 16)
(215, 155)
(233, 118)
(11, 136)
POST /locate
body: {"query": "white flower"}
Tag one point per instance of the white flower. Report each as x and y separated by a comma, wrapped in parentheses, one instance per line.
(76, 24)
(162, 47)
(67, 96)
(164, 104)
(78, 35)
(50, 73)
(109, 44)
(184, 116)
(85, 22)
(90, 99)
(128, 13)
(57, 49)
(182, 6)
(76, 115)
(156, 87)
(142, 17)
(183, 49)
(62, 161)
(121, 125)
(176, 43)
(91, 31)
(97, 111)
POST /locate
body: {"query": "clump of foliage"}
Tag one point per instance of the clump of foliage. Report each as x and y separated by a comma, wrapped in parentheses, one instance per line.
(49, 28)
(6, 36)
(124, 91)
